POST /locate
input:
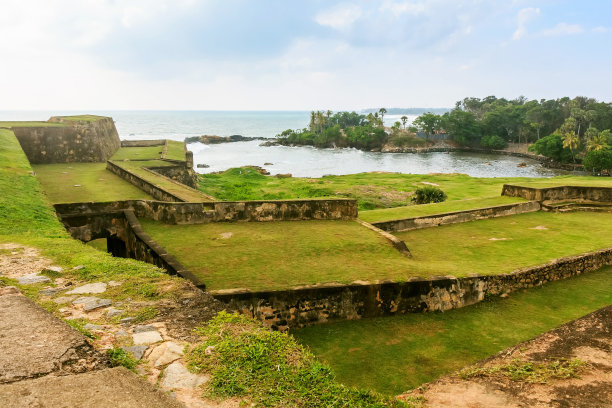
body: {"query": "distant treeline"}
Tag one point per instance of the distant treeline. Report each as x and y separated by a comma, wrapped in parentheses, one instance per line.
(408, 111)
(350, 129)
(564, 129)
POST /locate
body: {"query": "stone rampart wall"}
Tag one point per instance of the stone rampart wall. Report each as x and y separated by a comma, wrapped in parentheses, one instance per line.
(219, 211)
(94, 141)
(154, 190)
(561, 193)
(455, 217)
(179, 173)
(304, 306)
(143, 143)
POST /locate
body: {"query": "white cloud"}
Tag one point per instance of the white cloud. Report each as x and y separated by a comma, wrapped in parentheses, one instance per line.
(340, 17)
(600, 30)
(403, 7)
(563, 29)
(524, 16)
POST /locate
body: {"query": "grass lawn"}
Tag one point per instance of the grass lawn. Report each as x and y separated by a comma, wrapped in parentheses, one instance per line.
(403, 352)
(372, 190)
(501, 245)
(277, 255)
(386, 214)
(176, 150)
(133, 153)
(84, 118)
(7, 124)
(96, 183)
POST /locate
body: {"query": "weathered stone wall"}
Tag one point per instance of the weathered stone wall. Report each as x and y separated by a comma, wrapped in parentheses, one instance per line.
(155, 191)
(143, 143)
(304, 306)
(219, 211)
(455, 217)
(180, 173)
(562, 193)
(78, 141)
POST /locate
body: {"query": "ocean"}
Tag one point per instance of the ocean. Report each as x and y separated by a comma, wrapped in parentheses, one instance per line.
(299, 161)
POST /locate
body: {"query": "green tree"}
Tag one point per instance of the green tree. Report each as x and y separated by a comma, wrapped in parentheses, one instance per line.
(382, 112)
(598, 161)
(428, 123)
(597, 140)
(571, 139)
(552, 146)
(461, 126)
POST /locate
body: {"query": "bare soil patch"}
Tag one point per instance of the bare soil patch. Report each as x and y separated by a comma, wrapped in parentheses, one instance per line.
(588, 339)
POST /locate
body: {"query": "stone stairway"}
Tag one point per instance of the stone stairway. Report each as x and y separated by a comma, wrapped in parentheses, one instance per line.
(576, 205)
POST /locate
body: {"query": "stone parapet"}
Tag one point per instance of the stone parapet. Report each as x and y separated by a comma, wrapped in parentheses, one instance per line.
(434, 220)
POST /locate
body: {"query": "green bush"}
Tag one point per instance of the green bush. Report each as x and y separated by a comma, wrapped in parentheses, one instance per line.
(428, 194)
(552, 146)
(493, 142)
(598, 160)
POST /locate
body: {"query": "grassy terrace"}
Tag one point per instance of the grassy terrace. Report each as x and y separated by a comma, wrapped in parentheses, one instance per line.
(138, 153)
(83, 118)
(500, 245)
(176, 150)
(278, 255)
(81, 182)
(409, 211)
(402, 352)
(372, 190)
(6, 124)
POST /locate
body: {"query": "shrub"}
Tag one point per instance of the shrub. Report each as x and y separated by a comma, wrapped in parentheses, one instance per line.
(493, 142)
(598, 160)
(428, 194)
(552, 146)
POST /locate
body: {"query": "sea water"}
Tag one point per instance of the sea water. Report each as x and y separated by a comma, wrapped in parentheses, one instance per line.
(299, 161)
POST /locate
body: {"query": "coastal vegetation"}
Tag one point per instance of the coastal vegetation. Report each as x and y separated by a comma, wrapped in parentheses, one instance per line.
(349, 129)
(565, 130)
(440, 343)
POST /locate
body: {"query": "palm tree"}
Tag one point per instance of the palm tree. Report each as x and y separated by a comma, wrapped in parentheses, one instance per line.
(311, 126)
(382, 112)
(569, 134)
(598, 142)
(404, 120)
(320, 120)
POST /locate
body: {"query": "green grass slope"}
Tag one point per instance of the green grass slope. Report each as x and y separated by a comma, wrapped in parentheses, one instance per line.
(402, 352)
(372, 190)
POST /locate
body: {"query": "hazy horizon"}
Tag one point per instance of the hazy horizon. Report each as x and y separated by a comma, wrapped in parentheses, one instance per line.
(239, 55)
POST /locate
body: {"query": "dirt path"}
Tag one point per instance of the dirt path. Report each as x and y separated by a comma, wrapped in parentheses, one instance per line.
(586, 341)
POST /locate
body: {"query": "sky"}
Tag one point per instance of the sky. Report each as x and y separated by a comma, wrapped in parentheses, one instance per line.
(298, 55)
